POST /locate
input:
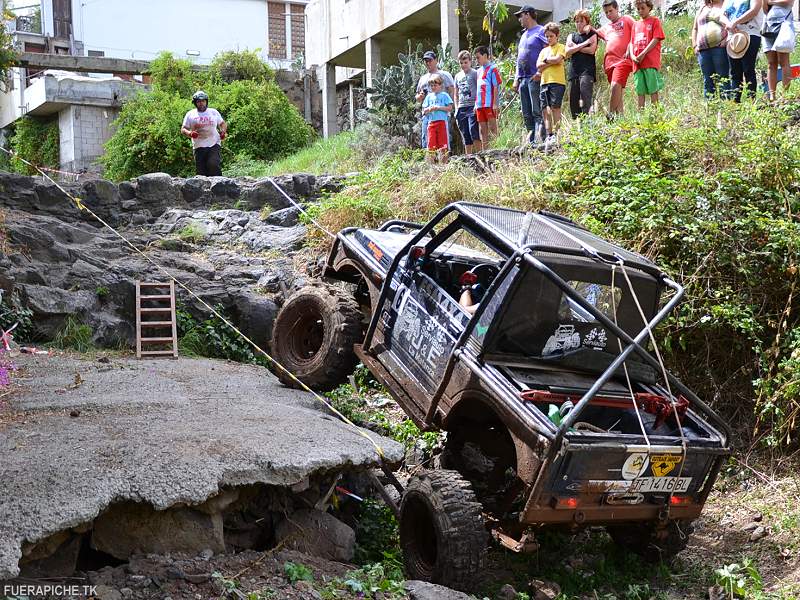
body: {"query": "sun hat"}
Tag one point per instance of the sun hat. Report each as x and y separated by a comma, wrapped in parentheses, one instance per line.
(738, 44)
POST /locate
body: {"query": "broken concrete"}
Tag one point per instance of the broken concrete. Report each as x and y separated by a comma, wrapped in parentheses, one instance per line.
(162, 433)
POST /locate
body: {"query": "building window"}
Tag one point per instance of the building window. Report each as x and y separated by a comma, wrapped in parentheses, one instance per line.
(298, 30)
(277, 30)
(96, 53)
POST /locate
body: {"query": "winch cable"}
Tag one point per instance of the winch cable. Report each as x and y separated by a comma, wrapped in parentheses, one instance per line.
(82, 207)
(684, 445)
(625, 364)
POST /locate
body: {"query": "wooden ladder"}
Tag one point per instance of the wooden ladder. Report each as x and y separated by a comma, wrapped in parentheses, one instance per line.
(155, 314)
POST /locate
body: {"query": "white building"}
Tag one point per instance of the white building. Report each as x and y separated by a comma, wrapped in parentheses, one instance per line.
(347, 36)
(121, 29)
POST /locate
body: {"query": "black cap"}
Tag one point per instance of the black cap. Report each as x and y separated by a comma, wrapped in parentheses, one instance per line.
(429, 54)
(526, 8)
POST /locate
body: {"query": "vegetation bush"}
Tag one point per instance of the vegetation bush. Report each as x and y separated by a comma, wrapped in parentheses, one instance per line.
(74, 335)
(36, 140)
(262, 124)
(213, 338)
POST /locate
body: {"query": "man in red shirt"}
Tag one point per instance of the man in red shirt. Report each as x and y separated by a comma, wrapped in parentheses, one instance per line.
(645, 51)
(617, 65)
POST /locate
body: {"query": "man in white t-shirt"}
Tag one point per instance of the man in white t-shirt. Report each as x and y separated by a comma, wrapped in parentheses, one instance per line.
(206, 127)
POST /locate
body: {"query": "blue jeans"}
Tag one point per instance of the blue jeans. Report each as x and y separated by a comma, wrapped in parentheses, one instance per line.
(529, 92)
(468, 125)
(715, 68)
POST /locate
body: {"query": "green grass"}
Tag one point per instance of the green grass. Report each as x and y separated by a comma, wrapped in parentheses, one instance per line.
(333, 155)
(74, 335)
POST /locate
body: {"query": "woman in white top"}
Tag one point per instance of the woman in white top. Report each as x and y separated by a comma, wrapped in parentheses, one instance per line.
(746, 16)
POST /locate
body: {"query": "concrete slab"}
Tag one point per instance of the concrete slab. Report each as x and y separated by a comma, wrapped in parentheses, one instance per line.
(165, 432)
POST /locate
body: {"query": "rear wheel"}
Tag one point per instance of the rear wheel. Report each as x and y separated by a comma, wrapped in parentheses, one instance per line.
(442, 531)
(650, 542)
(313, 337)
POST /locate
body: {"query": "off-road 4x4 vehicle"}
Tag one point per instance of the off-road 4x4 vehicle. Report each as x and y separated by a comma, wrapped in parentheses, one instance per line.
(556, 413)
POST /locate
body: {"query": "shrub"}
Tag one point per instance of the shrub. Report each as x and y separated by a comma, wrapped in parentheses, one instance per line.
(36, 140)
(262, 123)
(213, 338)
(233, 66)
(175, 75)
(147, 137)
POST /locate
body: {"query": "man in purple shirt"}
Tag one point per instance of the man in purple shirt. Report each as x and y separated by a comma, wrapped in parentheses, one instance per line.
(527, 81)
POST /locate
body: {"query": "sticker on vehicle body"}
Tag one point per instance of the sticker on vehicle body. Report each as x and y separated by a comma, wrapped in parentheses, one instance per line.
(660, 484)
(606, 485)
(663, 464)
(635, 465)
(596, 339)
(564, 338)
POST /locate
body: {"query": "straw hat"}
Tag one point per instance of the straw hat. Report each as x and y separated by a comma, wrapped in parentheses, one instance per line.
(738, 44)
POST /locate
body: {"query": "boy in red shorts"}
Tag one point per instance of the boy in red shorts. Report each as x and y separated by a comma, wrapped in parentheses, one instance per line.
(437, 106)
(645, 52)
(488, 91)
(617, 63)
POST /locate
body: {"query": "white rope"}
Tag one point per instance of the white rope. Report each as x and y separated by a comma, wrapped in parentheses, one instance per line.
(624, 364)
(79, 203)
(684, 445)
(300, 208)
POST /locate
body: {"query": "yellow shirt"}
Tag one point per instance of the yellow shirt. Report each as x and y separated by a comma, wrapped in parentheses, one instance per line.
(554, 73)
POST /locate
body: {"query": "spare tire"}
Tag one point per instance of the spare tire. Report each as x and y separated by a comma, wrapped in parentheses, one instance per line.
(442, 531)
(313, 337)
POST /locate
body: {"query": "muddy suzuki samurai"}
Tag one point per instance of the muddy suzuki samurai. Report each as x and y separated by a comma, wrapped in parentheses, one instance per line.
(555, 412)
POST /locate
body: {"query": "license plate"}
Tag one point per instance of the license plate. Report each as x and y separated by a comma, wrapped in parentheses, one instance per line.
(660, 484)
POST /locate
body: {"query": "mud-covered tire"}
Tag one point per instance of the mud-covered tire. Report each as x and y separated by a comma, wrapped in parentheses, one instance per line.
(442, 531)
(313, 337)
(651, 543)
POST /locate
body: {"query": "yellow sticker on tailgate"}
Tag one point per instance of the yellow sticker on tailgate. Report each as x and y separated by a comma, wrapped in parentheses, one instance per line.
(663, 464)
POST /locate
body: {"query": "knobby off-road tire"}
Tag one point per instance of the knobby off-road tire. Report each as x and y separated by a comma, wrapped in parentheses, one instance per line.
(313, 337)
(650, 543)
(442, 531)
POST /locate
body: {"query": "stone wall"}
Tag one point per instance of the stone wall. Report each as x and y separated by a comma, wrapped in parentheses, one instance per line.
(59, 257)
(343, 98)
(296, 87)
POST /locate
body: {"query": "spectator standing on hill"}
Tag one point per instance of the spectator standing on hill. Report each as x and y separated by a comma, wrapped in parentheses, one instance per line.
(437, 106)
(645, 52)
(779, 41)
(466, 92)
(554, 79)
(527, 78)
(581, 48)
(746, 17)
(617, 63)
(709, 38)
(206, 128)
(432, 64)
(488, 95)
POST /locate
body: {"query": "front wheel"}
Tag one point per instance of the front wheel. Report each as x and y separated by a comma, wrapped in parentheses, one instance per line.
(442, 531)
(313, 337)
(650, 542)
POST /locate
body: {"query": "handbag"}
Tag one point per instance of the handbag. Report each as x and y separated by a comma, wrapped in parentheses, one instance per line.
(784, 41)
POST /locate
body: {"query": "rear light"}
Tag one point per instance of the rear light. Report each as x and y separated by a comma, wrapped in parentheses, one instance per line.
(565, 503)
(680, 500)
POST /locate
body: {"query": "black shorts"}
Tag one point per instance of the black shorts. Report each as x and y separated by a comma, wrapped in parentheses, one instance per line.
(552, 95)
